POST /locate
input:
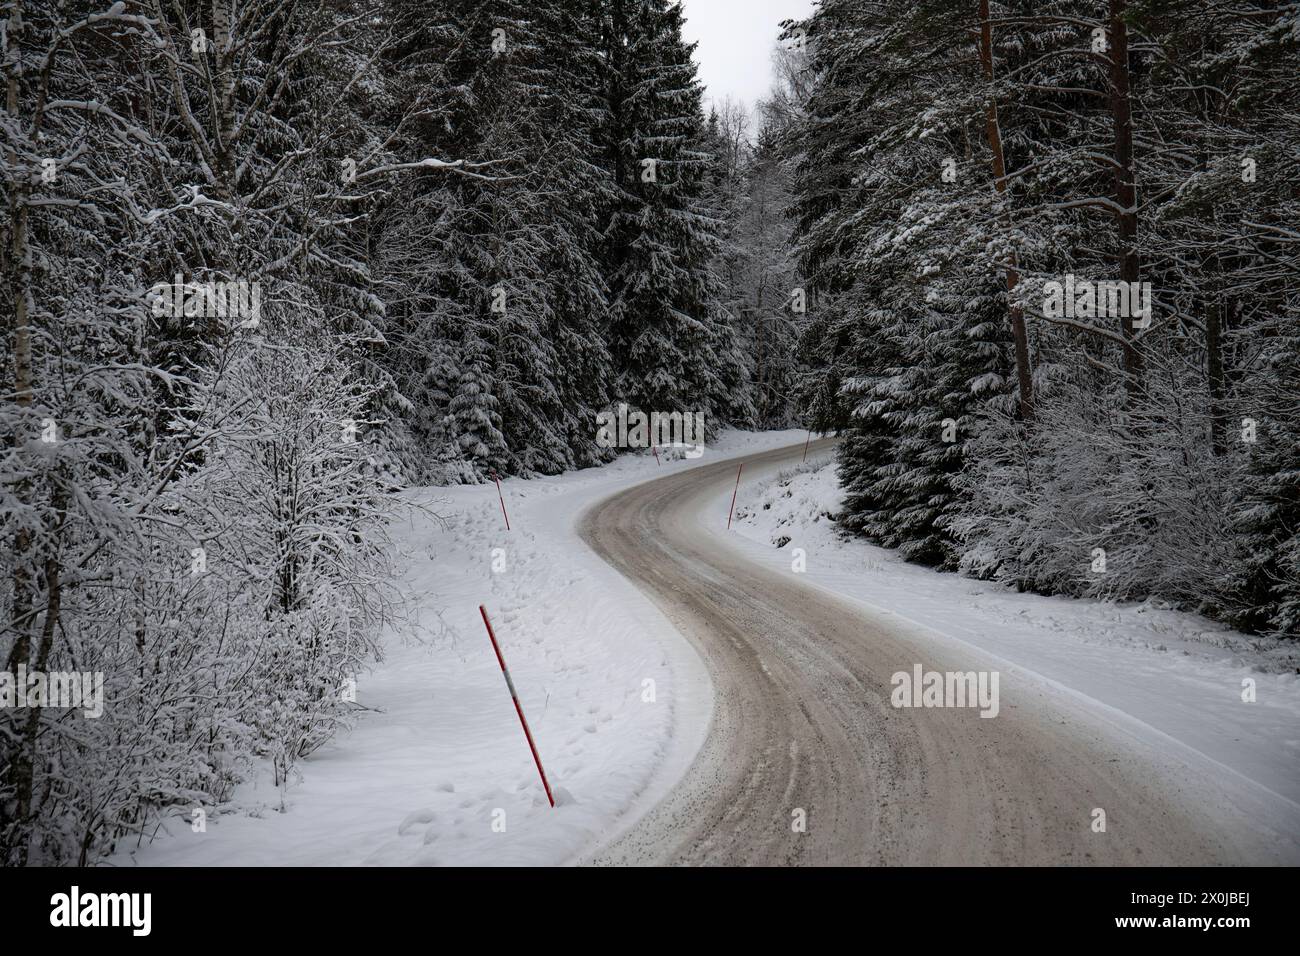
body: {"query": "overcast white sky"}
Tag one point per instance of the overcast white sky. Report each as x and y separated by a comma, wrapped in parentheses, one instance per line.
(735, 43)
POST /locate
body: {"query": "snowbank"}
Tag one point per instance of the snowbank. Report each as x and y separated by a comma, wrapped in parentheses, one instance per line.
(439, 757)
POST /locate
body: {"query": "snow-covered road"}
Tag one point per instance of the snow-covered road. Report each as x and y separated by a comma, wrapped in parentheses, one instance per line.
(649, 768)
(807, 762)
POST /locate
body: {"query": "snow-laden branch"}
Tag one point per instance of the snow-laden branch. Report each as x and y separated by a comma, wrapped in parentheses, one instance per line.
(459, 166)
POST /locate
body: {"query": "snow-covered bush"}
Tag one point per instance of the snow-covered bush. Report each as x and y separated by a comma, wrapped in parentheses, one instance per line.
(1080, 504)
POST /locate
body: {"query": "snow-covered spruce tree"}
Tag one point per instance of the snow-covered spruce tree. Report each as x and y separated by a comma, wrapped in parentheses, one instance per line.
(1121, 144)
(1262, 592)
(822, 162)
(497, 326)
(672, 341)
(1153, 485)
(893, 212)
(580, 294)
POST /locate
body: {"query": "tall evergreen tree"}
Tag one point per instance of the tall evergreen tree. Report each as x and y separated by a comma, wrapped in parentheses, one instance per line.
(935, 156)
(670, 336)
(498, 336)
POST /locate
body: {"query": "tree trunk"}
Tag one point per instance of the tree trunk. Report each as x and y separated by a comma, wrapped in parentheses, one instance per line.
(1125, 188)
(1214, 361)
(222, 60)
(25, 762)
(1024, 373)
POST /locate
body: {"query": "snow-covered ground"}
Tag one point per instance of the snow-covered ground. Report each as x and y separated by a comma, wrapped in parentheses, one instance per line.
(421, 777)
(1178, 674)
(438, 757)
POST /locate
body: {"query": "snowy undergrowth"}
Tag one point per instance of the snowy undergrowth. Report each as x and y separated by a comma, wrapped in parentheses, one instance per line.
(1179, 673)
(437, 756)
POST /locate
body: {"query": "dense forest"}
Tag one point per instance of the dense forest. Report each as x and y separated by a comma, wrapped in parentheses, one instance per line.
(267, 264)
(957, 167)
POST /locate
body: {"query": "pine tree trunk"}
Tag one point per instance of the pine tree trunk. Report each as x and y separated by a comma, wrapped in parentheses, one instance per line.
(1024, 373)
(1125, 187)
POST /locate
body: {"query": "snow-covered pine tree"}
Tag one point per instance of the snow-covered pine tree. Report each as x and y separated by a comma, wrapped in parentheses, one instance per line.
(893, 231)
(497, 333)
(670, 336)
(1132, 143)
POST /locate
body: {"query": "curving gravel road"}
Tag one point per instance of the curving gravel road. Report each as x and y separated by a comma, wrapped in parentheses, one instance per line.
(802, 721)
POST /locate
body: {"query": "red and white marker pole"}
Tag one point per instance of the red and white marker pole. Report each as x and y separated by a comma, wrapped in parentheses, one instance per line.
(733, 495)
(503, 500)
(656, 451)
(515, 697)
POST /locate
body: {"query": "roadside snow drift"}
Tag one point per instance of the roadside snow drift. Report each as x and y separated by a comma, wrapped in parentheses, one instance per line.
(437, 770)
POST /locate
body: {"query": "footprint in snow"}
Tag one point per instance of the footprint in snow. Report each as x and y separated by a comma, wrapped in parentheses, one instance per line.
(418, 816)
